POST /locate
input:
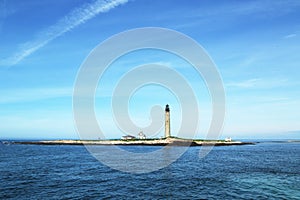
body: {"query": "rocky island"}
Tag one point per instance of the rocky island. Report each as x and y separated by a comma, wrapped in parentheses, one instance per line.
(146, 142)
(132, 140)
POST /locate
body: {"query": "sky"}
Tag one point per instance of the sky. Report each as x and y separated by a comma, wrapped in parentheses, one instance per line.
(255, 46)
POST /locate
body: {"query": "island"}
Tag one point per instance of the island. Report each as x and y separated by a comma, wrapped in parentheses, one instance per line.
(173, 141)
(142, 140)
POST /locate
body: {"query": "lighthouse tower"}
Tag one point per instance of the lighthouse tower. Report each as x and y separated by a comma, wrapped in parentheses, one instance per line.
(167, 122)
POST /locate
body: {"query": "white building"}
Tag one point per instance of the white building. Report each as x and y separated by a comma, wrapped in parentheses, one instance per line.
(128, 137)
(141, 135)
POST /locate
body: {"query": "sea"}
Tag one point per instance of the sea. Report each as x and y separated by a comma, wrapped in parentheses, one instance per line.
(266, 170)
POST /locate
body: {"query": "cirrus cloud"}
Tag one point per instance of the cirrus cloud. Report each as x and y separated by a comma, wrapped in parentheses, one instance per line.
(70, 21)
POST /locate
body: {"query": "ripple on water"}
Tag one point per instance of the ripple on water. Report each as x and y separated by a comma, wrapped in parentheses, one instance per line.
(262, 171)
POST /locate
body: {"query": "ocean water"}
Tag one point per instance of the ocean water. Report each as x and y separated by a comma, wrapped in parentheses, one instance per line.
(261, 171)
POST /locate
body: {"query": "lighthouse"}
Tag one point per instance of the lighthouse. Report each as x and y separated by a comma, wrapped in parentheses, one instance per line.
(167, 122)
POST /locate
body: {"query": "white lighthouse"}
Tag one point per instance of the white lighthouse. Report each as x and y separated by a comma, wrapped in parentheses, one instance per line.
(167, 122)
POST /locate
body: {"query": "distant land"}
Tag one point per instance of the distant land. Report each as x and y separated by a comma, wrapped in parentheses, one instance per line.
(142, 140)
(173, 141)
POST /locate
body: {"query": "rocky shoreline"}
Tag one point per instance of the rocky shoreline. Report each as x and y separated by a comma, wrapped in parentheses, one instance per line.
(146, 142)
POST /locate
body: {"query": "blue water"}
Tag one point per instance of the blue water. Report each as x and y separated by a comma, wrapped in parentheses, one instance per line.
(262, 171)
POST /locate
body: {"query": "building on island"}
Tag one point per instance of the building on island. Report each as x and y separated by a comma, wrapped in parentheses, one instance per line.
(141, 135)
(167, 122)
(128, 137)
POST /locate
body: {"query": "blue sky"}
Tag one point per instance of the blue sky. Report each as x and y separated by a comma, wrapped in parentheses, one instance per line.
(254, 44)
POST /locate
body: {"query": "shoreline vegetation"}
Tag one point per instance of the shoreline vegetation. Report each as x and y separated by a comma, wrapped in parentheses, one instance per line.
(173, 141)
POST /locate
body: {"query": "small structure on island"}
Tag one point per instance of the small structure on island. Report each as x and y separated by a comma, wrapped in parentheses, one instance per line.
(228, 139)
(128, 137)
(167, 122)
(141, 135)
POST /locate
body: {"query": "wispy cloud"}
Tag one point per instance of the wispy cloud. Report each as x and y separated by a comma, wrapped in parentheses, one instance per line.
(244, 84)
(75, 18)
(290, 36)
(258, 83)
(231, 12)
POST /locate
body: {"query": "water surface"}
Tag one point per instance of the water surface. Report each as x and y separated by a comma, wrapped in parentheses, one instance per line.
(262, 171)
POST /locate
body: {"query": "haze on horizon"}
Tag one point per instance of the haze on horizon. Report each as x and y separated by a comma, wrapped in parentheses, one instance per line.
(254, 44)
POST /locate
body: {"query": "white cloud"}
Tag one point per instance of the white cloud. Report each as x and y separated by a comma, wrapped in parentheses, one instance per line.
(258, 83)
(290, 36)
(75, 18)
(257, 9)
(244, 84)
